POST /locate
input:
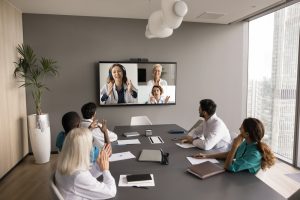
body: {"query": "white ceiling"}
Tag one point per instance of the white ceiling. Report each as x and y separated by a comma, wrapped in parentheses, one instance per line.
(231, 10)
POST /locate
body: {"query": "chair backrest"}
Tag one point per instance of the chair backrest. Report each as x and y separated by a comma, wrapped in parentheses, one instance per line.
(196, 124)
(54, 188)
(140, 120)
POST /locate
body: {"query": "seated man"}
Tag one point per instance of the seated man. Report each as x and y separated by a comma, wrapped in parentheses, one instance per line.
(88, 111)
(212, 133)
(69, 121)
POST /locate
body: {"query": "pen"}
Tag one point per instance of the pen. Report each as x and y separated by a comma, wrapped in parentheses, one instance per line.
(142, 187)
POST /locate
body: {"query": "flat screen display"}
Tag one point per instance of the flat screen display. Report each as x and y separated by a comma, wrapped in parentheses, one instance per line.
(137, 83)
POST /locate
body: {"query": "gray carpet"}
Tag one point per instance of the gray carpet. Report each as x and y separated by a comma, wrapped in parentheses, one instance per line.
(294, 176)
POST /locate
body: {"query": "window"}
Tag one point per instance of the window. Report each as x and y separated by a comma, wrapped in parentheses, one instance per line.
(272, 76)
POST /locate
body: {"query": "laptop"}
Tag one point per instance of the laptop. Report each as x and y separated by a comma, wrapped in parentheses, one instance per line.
(205, 169)
(150, 155)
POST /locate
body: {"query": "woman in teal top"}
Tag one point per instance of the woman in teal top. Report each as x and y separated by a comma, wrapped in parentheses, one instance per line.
(247, 151)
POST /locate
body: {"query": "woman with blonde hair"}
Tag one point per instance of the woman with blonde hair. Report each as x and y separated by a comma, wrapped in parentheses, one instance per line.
(248, 152)
(75, 178)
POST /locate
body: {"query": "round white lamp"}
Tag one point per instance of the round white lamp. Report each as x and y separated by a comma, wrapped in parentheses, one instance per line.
(173, 12)
(156, 26)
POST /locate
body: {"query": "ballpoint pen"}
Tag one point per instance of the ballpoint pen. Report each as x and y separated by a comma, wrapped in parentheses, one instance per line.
(142, 187)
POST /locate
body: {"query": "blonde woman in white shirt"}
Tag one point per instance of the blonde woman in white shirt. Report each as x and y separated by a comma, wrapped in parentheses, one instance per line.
(212, 133)
(75, 178)
(156, 73)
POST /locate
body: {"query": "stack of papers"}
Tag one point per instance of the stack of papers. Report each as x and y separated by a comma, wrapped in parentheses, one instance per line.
(155, 140)
(133, 141)
(121, 156)
(185, 145)
(123, 182)
(195, 161)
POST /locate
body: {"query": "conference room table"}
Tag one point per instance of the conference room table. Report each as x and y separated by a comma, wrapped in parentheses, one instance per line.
(172, 181)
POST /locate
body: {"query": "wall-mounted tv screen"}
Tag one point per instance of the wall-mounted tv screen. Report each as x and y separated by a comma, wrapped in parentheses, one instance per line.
(137, 83)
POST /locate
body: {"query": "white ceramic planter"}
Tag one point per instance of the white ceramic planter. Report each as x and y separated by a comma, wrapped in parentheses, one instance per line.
(40, 138)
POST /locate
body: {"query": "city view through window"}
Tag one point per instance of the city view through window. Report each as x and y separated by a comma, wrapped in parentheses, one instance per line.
(272, 76)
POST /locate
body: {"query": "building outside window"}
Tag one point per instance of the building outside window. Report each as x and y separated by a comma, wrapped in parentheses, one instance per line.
(272, 76)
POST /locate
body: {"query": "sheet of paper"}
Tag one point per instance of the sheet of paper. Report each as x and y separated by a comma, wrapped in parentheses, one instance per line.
(195, 161)
(121, 156)
(132, 141)
(155, 140)
(123, 182)
(185, 145)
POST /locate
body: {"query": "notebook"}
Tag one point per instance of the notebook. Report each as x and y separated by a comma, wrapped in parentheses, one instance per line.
(205, 169)
(131, 134)
(150, 155)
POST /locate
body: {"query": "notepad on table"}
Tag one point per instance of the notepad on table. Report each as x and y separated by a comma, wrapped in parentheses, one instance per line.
(132, 141)
(205, 169)
(124, 183)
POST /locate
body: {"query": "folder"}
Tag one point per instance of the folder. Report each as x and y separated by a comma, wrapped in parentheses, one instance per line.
(205, 169)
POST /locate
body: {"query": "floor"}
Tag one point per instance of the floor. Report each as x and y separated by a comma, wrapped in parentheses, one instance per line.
(31, 181)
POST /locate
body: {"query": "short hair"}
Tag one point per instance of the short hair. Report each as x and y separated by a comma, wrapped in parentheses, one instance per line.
(88, 110)
(157, 66)
(75, 152)
(70, 120)
(159, 87)
(208, 106)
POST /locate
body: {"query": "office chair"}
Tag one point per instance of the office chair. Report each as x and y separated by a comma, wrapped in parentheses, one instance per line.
(196, 124)
(54, 188)
(140, 120)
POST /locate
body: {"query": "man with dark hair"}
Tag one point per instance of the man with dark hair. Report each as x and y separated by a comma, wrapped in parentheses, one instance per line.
(69, 121)
(88, 111)
(212, 133)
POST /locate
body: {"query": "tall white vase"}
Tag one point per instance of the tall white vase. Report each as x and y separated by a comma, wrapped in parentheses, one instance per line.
(40, 138)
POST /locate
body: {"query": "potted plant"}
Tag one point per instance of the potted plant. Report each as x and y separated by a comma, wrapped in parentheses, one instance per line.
(32, 72)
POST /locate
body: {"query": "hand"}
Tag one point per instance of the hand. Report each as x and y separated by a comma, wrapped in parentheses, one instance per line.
(103, 128)
(94, 124)
(102, 160)
(237, 141)
(110, 88)
(167, 99)
(200, 155)
(152, 99)
(129, 86)
(108, 148)
(187, 139)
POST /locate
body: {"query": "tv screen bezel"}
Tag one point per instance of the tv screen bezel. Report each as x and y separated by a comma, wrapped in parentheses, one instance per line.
(136, 104)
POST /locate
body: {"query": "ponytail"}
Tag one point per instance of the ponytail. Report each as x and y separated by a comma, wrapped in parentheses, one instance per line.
(268, 158)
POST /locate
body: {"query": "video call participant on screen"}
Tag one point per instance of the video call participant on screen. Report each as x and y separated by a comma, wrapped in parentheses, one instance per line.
(118, 88)
(247, 151)
(88, 111)
(156, 96)
(69, 121)
(212, 133)
(156, 73)
(75, 178)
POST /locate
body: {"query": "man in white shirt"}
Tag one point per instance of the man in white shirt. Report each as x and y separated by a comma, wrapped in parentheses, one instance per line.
(88, 111)
(212, 133)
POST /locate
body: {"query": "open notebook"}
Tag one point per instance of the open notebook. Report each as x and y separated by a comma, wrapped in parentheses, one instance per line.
(205, 169)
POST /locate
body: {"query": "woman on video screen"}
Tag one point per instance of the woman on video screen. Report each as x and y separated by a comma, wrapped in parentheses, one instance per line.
(118, 88)
(156, 96)
(156, 73)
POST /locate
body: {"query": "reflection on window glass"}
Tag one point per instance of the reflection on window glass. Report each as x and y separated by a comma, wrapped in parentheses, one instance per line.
(272, 76)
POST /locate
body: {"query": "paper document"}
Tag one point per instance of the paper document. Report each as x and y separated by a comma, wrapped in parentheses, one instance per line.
(185, 145)
(195, 161)
(121, 156)
(133, 141)
(123, 182)
(155, 140)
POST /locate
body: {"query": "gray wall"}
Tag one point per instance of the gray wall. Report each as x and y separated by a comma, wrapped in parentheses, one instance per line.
(211, 63)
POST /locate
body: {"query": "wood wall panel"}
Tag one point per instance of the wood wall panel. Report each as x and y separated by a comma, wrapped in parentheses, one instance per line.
(13, 124)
